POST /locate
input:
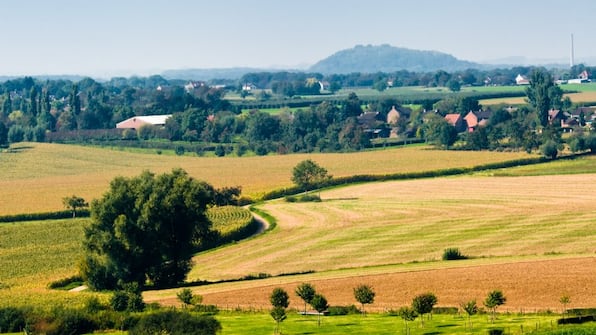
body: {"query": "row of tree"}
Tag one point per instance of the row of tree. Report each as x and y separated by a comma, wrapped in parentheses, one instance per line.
(364, 294)
(382, 80)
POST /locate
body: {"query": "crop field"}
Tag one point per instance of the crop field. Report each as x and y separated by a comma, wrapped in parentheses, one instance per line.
(532, 236)
(36, 176)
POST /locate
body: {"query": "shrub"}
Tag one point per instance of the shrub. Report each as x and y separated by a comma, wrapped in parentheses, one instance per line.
(66, 321)
(179, 150)
(206, 309)
(451, 254)
(343, 310)
(175, 322)
(11, 319)
(496, 331)
(66, 283)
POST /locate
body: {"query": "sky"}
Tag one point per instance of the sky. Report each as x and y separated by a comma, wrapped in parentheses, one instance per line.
(141, 37)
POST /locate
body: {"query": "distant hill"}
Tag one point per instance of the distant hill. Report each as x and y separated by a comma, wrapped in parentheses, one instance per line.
(386, 58)
(209, 74)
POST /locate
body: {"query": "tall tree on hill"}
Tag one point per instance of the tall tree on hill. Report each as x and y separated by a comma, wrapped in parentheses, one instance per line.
(543, 94)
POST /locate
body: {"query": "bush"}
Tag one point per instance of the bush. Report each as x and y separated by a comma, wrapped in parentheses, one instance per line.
(68, 321)
(451, 254)
(576, 320)
(67, 283)
(11, 320)
(206, 309)
(180, 150)
(343, 310)
(496, 331)
(175, 322)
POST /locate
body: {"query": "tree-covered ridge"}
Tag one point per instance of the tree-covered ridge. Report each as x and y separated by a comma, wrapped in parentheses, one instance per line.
(386, 58)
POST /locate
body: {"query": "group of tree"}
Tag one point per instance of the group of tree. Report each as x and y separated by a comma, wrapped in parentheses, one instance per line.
(452, 80)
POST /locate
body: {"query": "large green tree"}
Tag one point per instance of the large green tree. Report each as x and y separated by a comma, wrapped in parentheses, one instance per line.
(543, 94)
(144, 230)
(308, 174)
(306, 292)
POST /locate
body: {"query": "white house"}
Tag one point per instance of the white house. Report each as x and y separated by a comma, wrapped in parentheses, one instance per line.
(137, 122)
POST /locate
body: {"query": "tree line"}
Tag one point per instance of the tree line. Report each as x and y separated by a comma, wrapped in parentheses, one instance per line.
(31, 109)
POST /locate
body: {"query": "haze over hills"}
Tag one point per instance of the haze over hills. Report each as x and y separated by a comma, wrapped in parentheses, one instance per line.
(361, 58)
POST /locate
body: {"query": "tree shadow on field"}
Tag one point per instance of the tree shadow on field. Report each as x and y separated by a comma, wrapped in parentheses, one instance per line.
(433, 333)
(17, 149)
(446, 326)
(340, 199)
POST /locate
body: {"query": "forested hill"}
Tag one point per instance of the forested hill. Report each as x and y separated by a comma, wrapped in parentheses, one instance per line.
(386, 58)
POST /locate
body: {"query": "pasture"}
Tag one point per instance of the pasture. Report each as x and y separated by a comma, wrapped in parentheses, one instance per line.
(36, 176)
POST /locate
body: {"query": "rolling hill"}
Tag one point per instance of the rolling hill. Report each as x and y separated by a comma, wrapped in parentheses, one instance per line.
(386, 58)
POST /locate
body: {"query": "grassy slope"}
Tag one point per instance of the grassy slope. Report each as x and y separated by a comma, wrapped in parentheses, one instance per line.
(38, 175)
(404, 221)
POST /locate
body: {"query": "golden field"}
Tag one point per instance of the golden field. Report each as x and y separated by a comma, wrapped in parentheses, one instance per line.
(36, 176)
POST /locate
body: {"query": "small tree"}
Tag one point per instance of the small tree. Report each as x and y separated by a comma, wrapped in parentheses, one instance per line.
(471, 308)
(308, 174)
(319, 303)
(280, 300)
(73, 202)
(565, 300)
(423, 304)
(306, 292)
(493, 300)
(185, 296)
(364, 294)
(407, 314)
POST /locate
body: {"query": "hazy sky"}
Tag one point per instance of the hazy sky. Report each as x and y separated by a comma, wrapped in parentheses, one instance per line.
(107, 37)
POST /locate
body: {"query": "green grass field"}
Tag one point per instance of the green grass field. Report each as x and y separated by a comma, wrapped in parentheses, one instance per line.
(380, 324)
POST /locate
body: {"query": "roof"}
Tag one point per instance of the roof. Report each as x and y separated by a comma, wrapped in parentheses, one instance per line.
(453, 119)
(137, 121)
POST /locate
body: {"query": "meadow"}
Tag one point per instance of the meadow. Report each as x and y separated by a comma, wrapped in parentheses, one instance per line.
(36, 176)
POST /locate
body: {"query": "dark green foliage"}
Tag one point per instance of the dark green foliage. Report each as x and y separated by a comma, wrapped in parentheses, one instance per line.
(73, 203)
(319, 303)
(43, 216)
(12, 319)
(496, 331)
(493, 300)
(65, 322)
(278, 314)
(180, 150)
(129, 301)
(543, 94)
(307, 174)
(205, 309)
(577, 320)
(550, 149)
(304, 198)
(306, 292)
(343, 310)
(185, 296)
(66, 283)
(146, 227)
(424, 303)
(451, 254)
(364, 294)
(175, 322)
(279, 298)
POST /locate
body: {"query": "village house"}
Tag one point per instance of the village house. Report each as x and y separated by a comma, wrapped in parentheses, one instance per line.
(456, 120)
(522, 80)
(476, 119)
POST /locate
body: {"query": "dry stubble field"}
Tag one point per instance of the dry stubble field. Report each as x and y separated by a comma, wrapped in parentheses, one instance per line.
(36, 176)
(533, 238)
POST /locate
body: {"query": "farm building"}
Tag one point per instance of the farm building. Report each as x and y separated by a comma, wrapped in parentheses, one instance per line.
(476, 119)
(522, 80)
(457, 121)
(136, 122)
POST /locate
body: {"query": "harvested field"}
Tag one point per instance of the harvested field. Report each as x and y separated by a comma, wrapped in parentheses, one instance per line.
(528, 286)
(36, 176)
(405, 221)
